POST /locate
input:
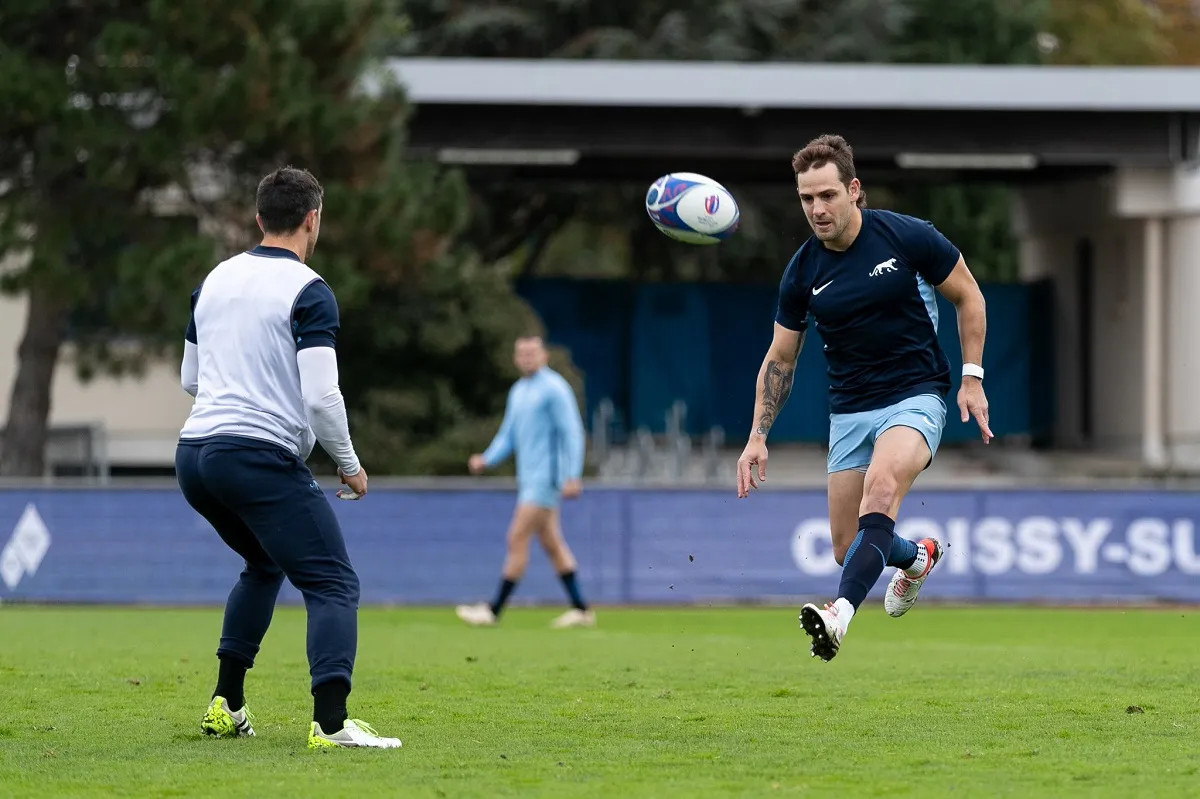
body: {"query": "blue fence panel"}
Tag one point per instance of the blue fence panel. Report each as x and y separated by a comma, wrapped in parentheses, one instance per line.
(1007, 362)
(647, 346)
(683, 546)
(670, 357)
(741, 321)
(592, 321)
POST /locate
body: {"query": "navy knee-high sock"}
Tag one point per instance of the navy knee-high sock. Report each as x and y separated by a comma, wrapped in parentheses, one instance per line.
(904, 553)
(867, 556)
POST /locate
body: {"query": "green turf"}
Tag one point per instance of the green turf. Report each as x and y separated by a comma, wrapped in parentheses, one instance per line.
(652, 703)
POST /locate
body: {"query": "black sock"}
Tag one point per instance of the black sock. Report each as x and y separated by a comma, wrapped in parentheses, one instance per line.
(867, 557)
(568, 581)
(329, 705)
(506, 588)
(231, 682)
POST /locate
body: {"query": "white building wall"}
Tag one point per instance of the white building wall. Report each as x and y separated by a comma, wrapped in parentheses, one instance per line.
(1183, 340)
(141, 418)
(1051, 222)
(1113, 214)
(1117, 327)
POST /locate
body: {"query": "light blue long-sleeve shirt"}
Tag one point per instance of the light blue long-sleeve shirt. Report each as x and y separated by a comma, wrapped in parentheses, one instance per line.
(542, 425)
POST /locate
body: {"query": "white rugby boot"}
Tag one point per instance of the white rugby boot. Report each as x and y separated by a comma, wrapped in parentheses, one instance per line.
(479, 615)
(356, 733)
(574, 618)
(902, 591)
(824, 628)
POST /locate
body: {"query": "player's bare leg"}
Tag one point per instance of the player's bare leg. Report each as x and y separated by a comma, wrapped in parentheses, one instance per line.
(551, 537)
(897, 463)
(526, 521)
(845, 494)
(900, 454)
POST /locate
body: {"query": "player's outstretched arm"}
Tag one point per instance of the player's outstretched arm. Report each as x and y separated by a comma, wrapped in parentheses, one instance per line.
(775, 378)
(961, 289)
(326, 407)
(502, 444)
(774, 387)
(316, 324)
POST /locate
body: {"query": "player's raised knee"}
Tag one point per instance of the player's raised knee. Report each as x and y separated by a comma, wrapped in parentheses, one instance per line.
(880, 493)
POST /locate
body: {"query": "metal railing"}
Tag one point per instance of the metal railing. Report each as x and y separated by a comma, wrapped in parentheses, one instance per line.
(673, 456)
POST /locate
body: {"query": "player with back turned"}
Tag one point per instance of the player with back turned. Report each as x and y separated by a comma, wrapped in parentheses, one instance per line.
(867, 277)
(260, 360)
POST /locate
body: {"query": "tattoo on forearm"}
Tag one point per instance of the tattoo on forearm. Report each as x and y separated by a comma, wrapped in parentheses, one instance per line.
(777, 387)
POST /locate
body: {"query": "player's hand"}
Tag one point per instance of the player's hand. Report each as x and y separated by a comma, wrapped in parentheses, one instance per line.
(572, 489)
(357, 483)
(754, 459)
(972, 402)
(476, 465)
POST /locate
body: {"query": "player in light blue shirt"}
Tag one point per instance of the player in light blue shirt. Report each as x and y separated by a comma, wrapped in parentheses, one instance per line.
(542, 426)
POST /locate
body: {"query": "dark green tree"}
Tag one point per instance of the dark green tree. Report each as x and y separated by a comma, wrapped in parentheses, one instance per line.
(970, 32)
(726, 30)
(132, 137)
(1116, 32)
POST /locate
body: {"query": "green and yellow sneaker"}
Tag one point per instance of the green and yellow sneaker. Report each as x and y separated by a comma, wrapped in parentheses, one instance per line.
(354, 733)
(222, 722)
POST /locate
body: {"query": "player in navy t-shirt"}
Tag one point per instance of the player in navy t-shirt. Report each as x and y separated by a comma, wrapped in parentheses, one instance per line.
(867, 277)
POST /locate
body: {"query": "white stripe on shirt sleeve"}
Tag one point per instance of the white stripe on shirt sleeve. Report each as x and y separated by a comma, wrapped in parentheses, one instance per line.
(325, 406)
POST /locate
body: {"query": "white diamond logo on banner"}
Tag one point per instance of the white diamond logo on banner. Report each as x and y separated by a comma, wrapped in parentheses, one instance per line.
(25, 549)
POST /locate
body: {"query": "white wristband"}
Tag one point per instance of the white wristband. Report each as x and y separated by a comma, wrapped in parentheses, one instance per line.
(972, 370)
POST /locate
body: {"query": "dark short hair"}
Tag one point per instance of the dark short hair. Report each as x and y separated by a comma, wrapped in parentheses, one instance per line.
(285, 197)
(824, 149)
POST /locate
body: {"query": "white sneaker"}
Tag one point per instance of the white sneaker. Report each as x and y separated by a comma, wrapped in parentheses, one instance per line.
(903, 589)
(824, 628)
(355, 733)
(575, 618)
(476, 615)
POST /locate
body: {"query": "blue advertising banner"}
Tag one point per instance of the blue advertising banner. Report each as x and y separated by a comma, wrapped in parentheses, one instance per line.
(634, 546)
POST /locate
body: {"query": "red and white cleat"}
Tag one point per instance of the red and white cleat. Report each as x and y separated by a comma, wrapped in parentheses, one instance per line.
(906, 583)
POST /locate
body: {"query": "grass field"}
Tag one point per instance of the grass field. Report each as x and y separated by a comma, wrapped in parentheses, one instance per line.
(652, 703)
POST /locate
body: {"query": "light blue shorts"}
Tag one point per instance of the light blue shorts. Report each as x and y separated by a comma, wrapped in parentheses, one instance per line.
(541, 495)
(852, 435)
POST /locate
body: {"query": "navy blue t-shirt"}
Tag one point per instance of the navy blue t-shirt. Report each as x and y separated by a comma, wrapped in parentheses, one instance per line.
(875, 308)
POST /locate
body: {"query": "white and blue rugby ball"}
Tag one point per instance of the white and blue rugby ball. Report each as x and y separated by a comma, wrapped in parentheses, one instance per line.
(692, 208)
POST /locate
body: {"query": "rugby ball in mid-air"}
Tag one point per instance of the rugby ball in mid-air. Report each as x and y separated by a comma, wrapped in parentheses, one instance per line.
(692, 208)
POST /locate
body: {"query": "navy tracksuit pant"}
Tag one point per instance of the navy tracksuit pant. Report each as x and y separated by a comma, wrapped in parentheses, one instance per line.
(263, 502)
